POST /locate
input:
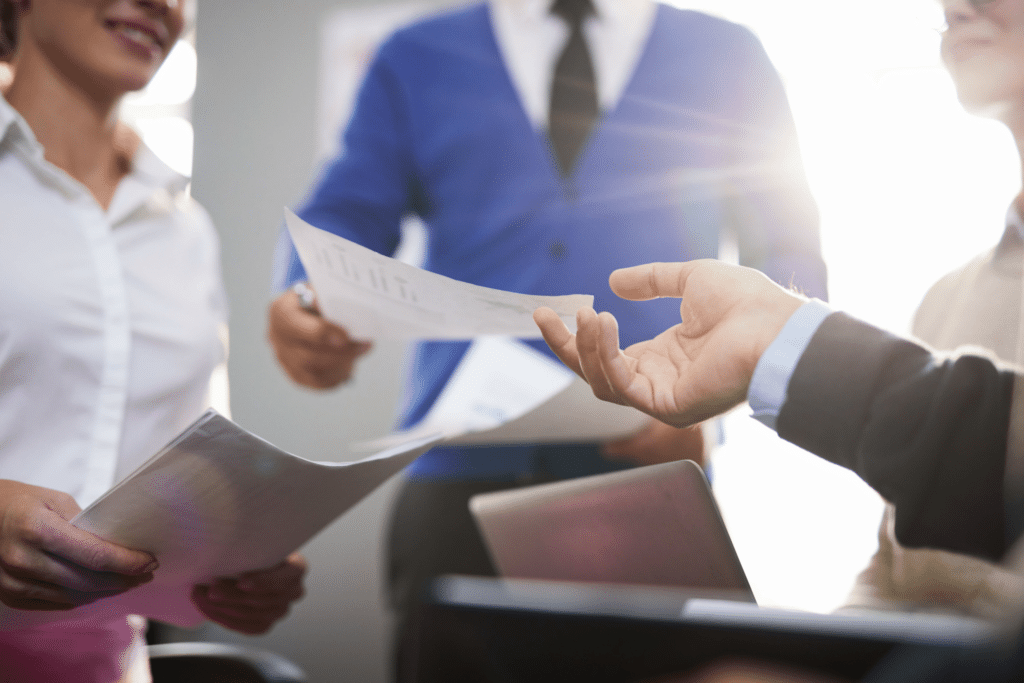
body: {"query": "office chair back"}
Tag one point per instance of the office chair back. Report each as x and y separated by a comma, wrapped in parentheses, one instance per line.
(219, 663)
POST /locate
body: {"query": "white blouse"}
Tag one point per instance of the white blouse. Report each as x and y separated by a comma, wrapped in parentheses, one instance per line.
(111, 322)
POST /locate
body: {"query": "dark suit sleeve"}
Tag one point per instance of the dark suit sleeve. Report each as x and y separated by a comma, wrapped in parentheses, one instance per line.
(927, 432)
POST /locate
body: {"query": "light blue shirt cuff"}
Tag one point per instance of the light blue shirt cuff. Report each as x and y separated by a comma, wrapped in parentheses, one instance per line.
(771, 377)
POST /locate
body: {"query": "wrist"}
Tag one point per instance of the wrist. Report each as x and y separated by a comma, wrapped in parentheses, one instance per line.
(770, 381)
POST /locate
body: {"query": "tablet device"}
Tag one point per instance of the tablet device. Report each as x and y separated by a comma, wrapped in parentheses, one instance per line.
(656, 525)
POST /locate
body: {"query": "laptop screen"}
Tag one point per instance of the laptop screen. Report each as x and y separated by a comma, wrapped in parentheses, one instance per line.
(655, 525)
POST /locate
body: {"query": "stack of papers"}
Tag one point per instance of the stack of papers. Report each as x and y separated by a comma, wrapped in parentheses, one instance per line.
(218, 501)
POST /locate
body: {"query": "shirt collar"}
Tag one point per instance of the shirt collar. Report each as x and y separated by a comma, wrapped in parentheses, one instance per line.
(612, 10)
(617, 11)
(14, 126)
(148, 175)
(151, 183)
(7, 117)
(147, 165)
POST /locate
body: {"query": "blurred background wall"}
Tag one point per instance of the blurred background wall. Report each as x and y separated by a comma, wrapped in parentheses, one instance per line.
(255, 120)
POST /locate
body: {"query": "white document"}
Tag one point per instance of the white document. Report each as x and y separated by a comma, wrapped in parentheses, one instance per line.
(505, 392)
(376, 297)
(218, 501)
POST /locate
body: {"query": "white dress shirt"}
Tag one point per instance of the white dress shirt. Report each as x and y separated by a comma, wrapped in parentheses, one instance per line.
(531, 40)
(112, 323)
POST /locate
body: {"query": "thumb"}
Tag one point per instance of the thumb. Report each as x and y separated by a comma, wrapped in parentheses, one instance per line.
(652, 280)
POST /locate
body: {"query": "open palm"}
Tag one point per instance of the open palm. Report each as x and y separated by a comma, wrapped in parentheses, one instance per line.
(694, 370)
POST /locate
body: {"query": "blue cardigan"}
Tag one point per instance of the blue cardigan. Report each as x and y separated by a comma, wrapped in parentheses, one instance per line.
(702, 142)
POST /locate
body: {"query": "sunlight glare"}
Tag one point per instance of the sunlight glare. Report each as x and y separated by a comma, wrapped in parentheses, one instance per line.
(909, 187)
(174, 83)
(171, 139)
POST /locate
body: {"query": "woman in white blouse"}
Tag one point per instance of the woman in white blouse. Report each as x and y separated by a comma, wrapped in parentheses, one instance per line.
(112, 319)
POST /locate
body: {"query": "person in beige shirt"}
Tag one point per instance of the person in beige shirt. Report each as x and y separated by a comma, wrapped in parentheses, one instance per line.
(976, 305)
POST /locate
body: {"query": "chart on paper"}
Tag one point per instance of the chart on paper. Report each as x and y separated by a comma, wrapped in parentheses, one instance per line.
(376, 297)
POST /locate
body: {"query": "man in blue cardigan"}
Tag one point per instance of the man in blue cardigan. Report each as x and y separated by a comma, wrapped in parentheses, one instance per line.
(693, 144)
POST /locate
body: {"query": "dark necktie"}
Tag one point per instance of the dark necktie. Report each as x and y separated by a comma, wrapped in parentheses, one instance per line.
(573, 91)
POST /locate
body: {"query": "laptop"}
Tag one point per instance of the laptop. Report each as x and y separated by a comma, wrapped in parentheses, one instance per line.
(657, 525)
(499, 630)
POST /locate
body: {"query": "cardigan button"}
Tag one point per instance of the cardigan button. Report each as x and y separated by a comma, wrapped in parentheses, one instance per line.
(557, 250)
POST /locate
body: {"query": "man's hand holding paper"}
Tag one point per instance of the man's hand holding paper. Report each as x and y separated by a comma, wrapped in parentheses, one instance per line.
(363, 296)
(313, 351)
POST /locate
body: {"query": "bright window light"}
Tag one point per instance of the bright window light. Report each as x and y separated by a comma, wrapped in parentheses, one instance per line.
(909, 187)
(174, 83)
(161, 113)
(171, 139)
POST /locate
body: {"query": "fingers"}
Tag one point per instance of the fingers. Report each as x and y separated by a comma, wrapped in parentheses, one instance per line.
(285, 577)
(619, 370)
(292, 324)
(33, 595)
(588, 341)
(584, 351)
(652, 280)
(237, 616)
(46, 563)
(45, 526)
(313, 351)
(623, 379)
(24, 566)
(559, 338)
(252, 602)
(92, 553)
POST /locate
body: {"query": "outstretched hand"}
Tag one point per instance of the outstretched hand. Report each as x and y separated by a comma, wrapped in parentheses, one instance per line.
(694, 370)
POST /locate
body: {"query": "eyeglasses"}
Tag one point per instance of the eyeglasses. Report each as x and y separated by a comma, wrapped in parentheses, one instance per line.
(976, 5)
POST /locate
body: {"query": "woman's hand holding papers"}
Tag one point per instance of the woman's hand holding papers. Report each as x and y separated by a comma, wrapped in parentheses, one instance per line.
(694, 370)
(252, 602)
(48, 564)
(314, 352)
